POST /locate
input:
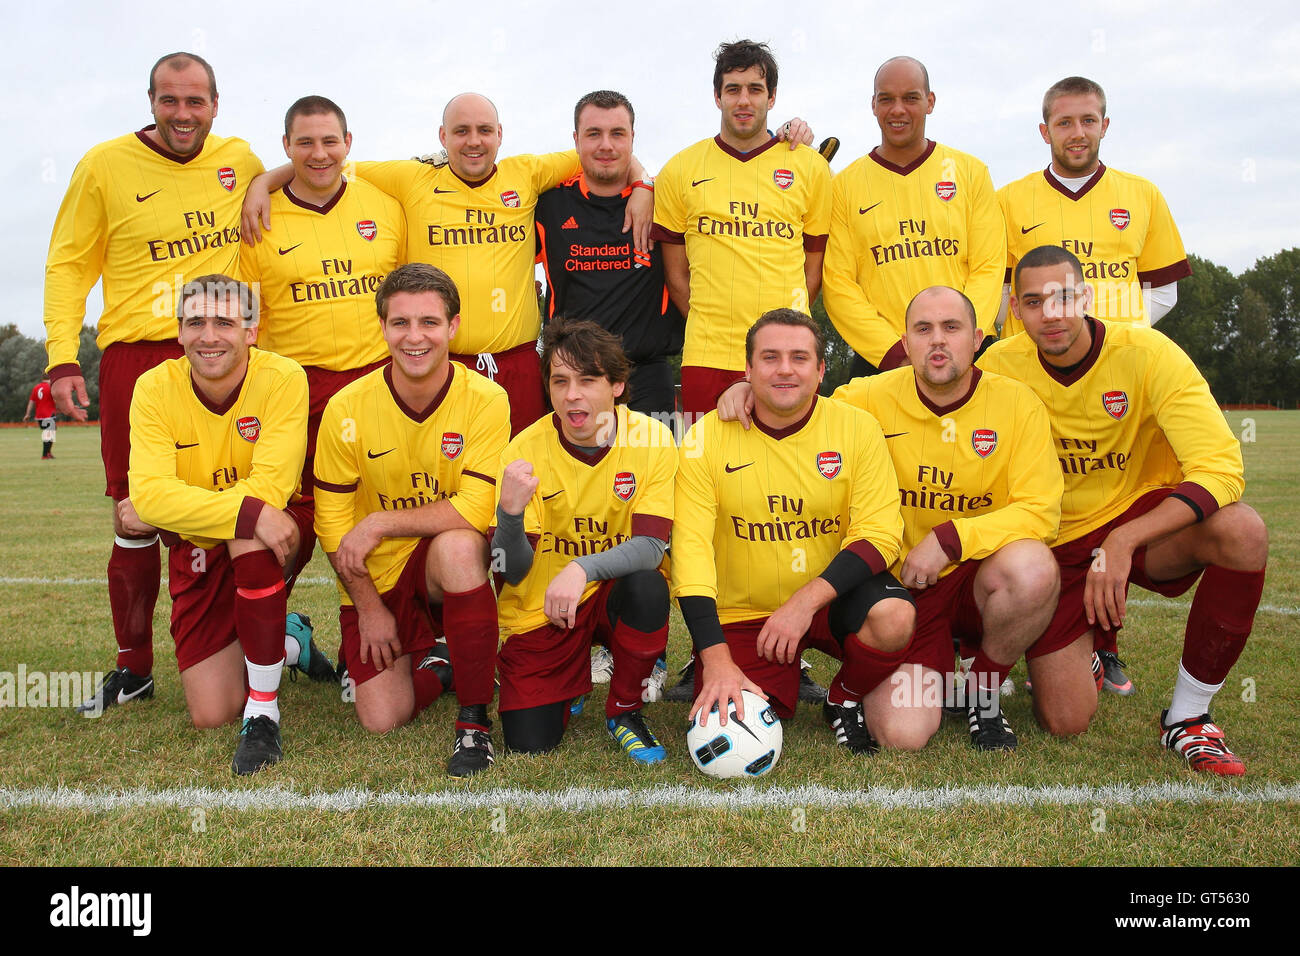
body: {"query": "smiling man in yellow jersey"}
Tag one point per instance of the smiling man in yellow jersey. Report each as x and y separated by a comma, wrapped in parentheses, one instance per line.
(473, 219)
(405, 474)
(910, 214)
(144, 212)
(1117, 224)
(1153, 482)
(783, 535)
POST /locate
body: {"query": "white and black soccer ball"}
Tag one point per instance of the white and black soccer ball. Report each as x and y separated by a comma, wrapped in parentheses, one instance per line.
(743, 748)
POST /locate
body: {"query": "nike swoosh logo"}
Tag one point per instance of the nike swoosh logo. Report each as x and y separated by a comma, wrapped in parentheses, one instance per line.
(179, 446)
(696, 182)
(552, 495)
(1025, 232)
(139, 198)
(890, 587)
(285, 252)
(895, 434)
(863, 212)
(731, 468)
(370, 454)
(123, 696)
(439, 192)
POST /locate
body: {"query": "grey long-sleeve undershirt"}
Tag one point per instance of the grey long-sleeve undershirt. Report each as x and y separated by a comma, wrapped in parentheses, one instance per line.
(641, 552)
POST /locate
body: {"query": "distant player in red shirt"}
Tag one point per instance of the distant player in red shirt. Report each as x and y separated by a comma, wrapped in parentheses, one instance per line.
(42, 403)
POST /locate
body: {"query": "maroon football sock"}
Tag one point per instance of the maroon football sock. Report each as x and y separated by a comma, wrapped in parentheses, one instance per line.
(470, 619)
(863, 670)
(428, 687)
(133, 578)
(261, 601)
(985, 679)
(635, 653)
(1220, 620)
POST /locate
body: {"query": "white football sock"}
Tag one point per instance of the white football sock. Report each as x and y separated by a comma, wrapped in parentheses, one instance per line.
(263, 680)
(1191, 697)
(292, 650)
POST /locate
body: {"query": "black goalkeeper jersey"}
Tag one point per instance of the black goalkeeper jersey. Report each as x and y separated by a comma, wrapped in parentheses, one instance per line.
(593, 272)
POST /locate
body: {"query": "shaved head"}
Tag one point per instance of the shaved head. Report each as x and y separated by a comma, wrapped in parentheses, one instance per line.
(475, 101)
(471, 135)
(942, 297)
(896, 63)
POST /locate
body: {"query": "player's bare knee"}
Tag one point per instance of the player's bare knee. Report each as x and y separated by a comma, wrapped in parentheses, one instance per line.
(457, 560)
(210, 714)
(1241, 537)
(382, 717)
(911, 733)
(1065, 718)
(889, 626)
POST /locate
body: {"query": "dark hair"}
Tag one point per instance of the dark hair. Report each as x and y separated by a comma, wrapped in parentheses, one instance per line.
(741, 55)
(585, 346)
(1048, 256)
(785, 317)
(179, 61)
(604, 100)
(1072, 86)
(313, 106)
(970, 306)
(220, 287)
(418, 277)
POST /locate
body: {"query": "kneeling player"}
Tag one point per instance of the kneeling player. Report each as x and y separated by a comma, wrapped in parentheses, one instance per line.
(217, 444)
(584, 513)
(1153, 481)
(981, 495)
(783, 534)
(405, 465)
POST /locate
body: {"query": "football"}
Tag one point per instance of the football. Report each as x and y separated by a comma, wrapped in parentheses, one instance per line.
(748, 748)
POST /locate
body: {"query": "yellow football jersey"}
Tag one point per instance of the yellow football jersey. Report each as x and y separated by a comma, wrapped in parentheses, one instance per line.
(585, 504)
(1118, 225)
(199, 469)
(375, 453)
(980, 472)
(481, 234)
(746, 220)
(147, 221)
(1136, 415)
(318, 271)
(896, 230)
(760, 513)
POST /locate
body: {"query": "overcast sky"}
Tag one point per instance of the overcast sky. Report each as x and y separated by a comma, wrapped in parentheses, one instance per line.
(1204, 97)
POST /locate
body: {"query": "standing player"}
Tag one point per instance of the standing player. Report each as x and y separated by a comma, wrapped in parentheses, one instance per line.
(743, 225)
(41, 401)
(981, 497)
(910, 214)
(583, 517)
(783, 533)
(405, 475)
(593, 271)
(473, 219)
(144, 212)
(217, 442)
(1153, 481)
(1117, 224)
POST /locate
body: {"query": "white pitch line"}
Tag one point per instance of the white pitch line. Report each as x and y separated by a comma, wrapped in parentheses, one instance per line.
(579, 799)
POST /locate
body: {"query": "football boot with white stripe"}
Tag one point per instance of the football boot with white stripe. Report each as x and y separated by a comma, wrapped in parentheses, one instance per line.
(1201, 741)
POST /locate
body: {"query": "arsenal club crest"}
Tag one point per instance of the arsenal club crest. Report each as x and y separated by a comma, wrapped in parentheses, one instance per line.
(367, 229)
(226, 176)
(984, 440)
(453, 443)
(783, 178)
(625, 485)
(1119, 219)
(510, 198)
(248, 427)
(945, 190)
(1116, 404)
(829, 463)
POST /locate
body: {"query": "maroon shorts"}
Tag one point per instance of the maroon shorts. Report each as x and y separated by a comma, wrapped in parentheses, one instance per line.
(779, 681)
(1076, 557)
(322, 385)
(418, 625)
(701, 388)
(120, 365)
(202, 586)
(946, 610)
(549, 663)
(519, 372)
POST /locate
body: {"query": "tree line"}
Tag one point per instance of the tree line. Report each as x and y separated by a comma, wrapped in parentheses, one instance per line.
(1242, 331)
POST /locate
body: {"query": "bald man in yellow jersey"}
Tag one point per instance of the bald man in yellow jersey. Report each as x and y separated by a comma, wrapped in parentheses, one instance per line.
(1153, 485)
(144, 213)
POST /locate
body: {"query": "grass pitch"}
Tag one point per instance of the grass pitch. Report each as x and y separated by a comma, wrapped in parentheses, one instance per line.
(70, 786)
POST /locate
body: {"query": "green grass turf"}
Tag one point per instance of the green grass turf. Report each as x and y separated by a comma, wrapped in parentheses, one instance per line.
(55, 523)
